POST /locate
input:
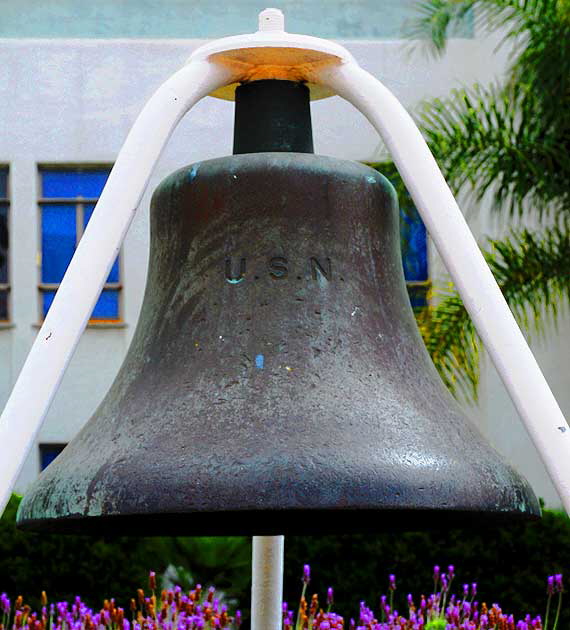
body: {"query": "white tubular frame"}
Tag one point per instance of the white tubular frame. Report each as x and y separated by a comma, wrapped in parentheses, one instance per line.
(267, 582)
(80, 288)
(456, 245)
(212, 67)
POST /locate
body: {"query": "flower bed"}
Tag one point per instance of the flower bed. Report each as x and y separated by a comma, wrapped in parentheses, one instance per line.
(200, 608)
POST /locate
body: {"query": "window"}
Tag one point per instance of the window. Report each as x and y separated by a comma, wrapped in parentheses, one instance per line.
(413, 238)
(4, 246)
(68, 198)
(48, 452)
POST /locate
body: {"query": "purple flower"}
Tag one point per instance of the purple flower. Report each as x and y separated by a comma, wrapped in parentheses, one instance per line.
(436, 573)
(550, 585)
(5, 603)
(306, 574)
(178, 611)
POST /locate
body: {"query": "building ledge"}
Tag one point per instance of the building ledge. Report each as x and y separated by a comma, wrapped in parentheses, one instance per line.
(94, 325)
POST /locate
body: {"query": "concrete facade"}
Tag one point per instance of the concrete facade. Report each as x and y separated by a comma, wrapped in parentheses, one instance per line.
(72, 101)
(152, 19)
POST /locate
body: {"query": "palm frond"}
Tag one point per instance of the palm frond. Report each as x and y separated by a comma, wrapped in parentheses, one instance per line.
(542, 64)
(491, 138)
(436, 18)
(533, 273)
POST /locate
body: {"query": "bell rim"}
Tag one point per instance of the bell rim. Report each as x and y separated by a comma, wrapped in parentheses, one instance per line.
(277, 522)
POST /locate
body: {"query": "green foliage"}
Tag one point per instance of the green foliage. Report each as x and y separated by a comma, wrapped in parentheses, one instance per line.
(516, 134)
(532, 272)
(437, 18)
(224, 561)
(513, 141)
(99, 568)
(512, 138)
(510, 564)
(494, 139)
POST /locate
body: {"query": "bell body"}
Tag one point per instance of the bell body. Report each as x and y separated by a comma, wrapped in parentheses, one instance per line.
(276, 382)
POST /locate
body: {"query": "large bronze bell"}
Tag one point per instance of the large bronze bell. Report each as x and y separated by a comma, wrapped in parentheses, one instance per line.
(276, 382)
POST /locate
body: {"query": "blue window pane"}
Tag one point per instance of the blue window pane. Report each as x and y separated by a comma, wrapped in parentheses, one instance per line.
(414, 245)
(3, 183)
(58, 240)
(47, 299)
(48, 452)
(87, 212)
(107, 306)
(3, 243)
(88, 184)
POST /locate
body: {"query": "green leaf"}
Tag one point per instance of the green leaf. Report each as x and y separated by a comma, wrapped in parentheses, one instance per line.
(490, 139)
(532, 271)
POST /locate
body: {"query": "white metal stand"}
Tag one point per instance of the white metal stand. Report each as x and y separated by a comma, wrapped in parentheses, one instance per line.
(271, 53)
(267, 582)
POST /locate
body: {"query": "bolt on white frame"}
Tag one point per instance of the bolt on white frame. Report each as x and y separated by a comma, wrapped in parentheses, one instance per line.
(329, 69)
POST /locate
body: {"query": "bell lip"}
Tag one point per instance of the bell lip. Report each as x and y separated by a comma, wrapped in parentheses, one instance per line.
(276, 522)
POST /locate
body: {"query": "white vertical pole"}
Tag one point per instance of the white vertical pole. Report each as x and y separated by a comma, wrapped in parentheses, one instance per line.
(456, 245)
(80, 288)
(267, 582)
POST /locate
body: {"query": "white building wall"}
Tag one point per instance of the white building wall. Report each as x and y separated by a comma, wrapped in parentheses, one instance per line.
(73, 101)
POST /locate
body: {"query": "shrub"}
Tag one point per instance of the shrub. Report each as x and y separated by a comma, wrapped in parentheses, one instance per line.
(99, 567)
(509, 563)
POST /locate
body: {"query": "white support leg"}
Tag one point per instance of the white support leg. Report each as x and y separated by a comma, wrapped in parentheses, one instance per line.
(267, 582)
(80, 288)
(455, 243)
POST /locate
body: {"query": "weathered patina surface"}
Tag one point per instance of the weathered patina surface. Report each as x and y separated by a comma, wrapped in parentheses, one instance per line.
(276, 381)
